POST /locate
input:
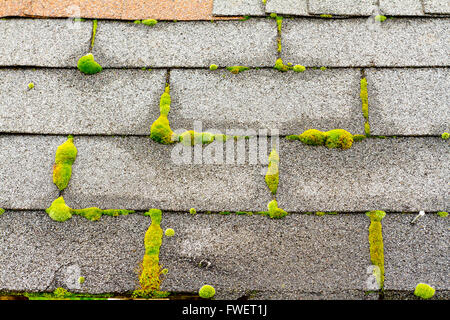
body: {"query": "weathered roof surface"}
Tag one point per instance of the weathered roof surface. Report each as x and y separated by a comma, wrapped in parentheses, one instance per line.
(401, 169)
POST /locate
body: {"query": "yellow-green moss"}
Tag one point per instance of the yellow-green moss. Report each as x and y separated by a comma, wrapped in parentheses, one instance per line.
(445, 135)
(237, 69)
(313, 137)
(380, 18)
(81, 280)
(207, 292)
(160, 130)
(169, 232)
(364, 98)
(272, 175)
(280, 66)
(275, 212)
(323, 68)
(190, 138)
(213, 67)
(2, 211)
(88, 65)
(299, 68)
(31, 85)
(376, 241)
(336, 138)
(59, 211)
(424, 291)
(149, 22)
(326, 16)
(94, 32)
(64, 158)
(279, 45)
(192, 211)
(441, 214)
(279, 20)
(150, 271)
(61, 293)
(367, 128)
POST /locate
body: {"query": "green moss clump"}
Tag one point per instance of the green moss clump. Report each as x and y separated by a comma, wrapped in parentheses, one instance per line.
(81, 280)
(323, 68)
(364, 98)
(213, 67)
(149, 22)
(2, 211)
(207, 292)
(299, 68)
(88, 65)
(237, 69)
(64, 158)
(94, 32)
(274, 211)
(272, 175)
(59, 211)
(190, 138)
(445, 135)
(326, 16)
(149, 277)
(376, 241)
(160, 130)
(192, 211)
(31, 85)
(339, 138)
(424, 291)
(169, 232)
(441, 214)
(358, 137)
(313, 137)
(61, 293)
(95, 213)
(280, 66)
(367, 128)
(137, 21)
(380, 18)
(293, 137)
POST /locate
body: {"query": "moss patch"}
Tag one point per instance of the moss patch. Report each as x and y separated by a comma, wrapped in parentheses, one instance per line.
(337, 138)
(88, 65)
(441, 214)
(213, 67)
(64, 158)
(59, 211)
(376, 242)
(424, 291)
(149, 22)
(207, 292)
(272, 175)
(365, 105)
(31, 85)
(280, 66)
(169, 232)
(445, 135)
(275, 212)
(150, 271)
(2, 211)
(380, 18)
(63, 294)
(160, 130)
(94, 32)
(237, 69)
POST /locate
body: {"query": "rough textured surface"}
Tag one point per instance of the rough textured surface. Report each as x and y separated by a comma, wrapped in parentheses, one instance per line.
(292, 7)
(342, 7)
(416, 253)
(401, 7)
(289, 102)
(436, 6)
(323, 254)
(39, 254)
(26, 42)
(26, 171)
(13, 8)
(408, 101)
(362, 42)
(374, 174)
(69, 102)
(137, 173)
(238, 8)
(183, 44)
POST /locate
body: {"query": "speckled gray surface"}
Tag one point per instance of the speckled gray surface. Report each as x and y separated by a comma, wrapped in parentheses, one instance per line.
(69, 102)
(187, 44)
(403, 174)
(38, 254)
(26, 171)
(323, 254)
(408, 101)
(292, 7)
(365, 42)
(47, 43)
(436, 6)
(401, 7)
(238, 8)
(266, 99)
(342, 7)
(416, 253)
(138, 173)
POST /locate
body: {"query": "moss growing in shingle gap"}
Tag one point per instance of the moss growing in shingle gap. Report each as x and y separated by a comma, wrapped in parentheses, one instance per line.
(442, 214)
(274, 211)
(424, 291)
(299, 68)
(207, 292)
(365, 105)
(322, 213)
(280, 66)
(380, 18)
(31, 85)
(272, 175)
(64, 158)
(149, 22)
(160, 130)
(279, 45)
(445, 135)
(2, 211)
(326, 16)
(336, 138)
(190, 138)
(213, 67)
(94, 32)
(87, 64)
(376, 241)
(150, 272)
(59, 211)
(81, 280)
(279, 20)
(192, 211)
(237, 69)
